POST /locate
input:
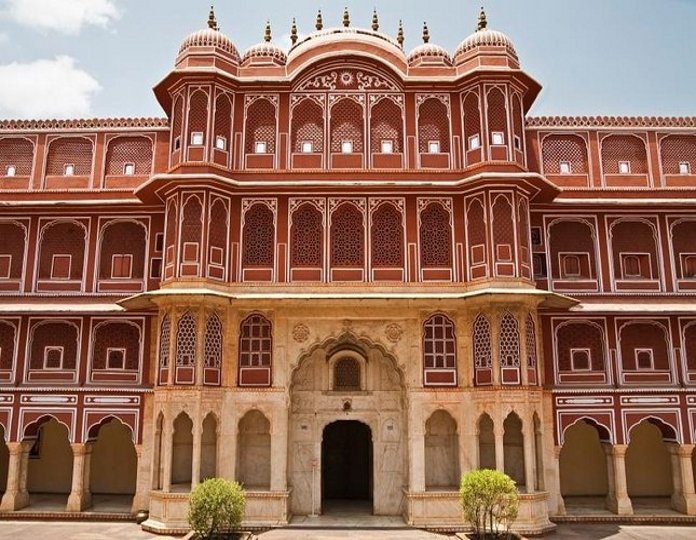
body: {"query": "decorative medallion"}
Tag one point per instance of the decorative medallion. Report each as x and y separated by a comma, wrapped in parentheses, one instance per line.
(393, 332)
(300, 333)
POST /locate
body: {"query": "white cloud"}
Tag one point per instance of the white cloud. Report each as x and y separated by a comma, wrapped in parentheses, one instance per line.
(4, 38)
(47, 88)
(65, 16)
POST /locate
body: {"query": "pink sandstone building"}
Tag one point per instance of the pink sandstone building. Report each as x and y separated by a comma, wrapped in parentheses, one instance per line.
(348, 271)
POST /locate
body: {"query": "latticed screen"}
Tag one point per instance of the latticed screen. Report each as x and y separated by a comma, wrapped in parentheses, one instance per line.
(634, 237)
(433, 125)
(307, 237)
(509, 341)
(435, 237)
(523, 228)
(16, 152)
(213, 342)
(530, 331)
(497, 113)
(192, 222)
(580, 335)
(677, 149)
(387, 237)
(439, 343)
(165, 340)
(503, 226)
(62, 238)
(476, 229)
(683, 235)
(116, 335)
(308, 126)
(643, 335)
(570, 237)
(260, 126)
(7, 345)
(564, 148)
(177, 120)
(186, 340)
(517, 118)
(133, 150)
(347, 374)
(347, 124)
(689, 346)
(123, 237)
(69, 150)
(170, 239)
(347, 237)
(13, 242)
(482, 343)
(472, 116)
(54, 335)
(258, 236)
(255, 342)
(386, 123)
(223, 117)
(619, 148)
(198, 113)
(217, 230)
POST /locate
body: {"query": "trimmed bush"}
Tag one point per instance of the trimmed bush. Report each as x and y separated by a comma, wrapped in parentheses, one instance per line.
(216, 506)
(490, 501)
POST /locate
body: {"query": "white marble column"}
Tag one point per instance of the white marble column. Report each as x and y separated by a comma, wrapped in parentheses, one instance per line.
(140, 498)
(529, 461)
(416, 446)
(16, 495)
(80, 497)
(196, 451)
(560, 508)
(167, 448)
(279, 449)
(683, 496)
(618, 500)
(498, 433)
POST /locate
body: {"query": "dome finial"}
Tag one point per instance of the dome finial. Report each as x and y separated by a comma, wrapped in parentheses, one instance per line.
(426, 33)
(320, 21)
(482, 20)
(293, 31)
(346, 17)
(267, 32)
(212, 21)
(375, 20)
(400, 34)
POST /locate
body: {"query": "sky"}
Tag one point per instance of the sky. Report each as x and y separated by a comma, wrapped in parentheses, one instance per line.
(101, 58)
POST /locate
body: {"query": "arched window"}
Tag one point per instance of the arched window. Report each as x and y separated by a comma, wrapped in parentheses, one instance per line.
(564, 154)
(12, 248)
(678, 154)
(386, 132)
(129, 156)
(223, 124)
(258, 237)
(307, 237)
(16, 156)
(483, 358)
(472, 123)
(69, 156)
(255, 351)
(439, 351)
(387, 237)
(164, 342)
(503, 236)
(62, 252)
(433, 127)
(198, 118)
(218, 223)
(347, 126)
(477, 237)
(260, 129)
(54, 346)
(580, 349)
(509, 347)
(170, 238)
(186, 335)
(530, 334)
(191, 234)
(116, 349)
(347, 237)
(8, 332)
(177, 122)
(624, 154)
(122, 253)
(497, 121)
(634, 253)
(346, 374)
(435, 237)
(307, 132)
(212, 350)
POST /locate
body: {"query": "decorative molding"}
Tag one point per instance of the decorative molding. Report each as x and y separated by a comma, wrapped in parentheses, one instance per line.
(393, 331)
(611, 121)
(300, 333)
(84, 123)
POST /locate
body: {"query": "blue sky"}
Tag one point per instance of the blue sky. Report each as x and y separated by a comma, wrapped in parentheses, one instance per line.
(84, 58)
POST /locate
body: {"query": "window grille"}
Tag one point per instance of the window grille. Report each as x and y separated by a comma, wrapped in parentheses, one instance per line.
(472, 120)
(165, 338)
(255, 342)
(497, 113)
(624, 148)
(307, 237)
(482, 343)
(530, 330)
(347, 124)
(387, 237)
(124, 151)
(433, 125)
(260, 126)
(186, 341)
(18, 153)
(439, 343)
(198, 116)
(308, 127)
(386, 123)
(223, 120)
(559, 149)
(676, 151)
(258, 236)
(347, 374)
(76, 151)
(509, 341)
(435, 236)
(347, 237)
(213, 342)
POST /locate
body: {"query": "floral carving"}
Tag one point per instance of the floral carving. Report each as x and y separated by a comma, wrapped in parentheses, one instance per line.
(393, 332)
(300, 333)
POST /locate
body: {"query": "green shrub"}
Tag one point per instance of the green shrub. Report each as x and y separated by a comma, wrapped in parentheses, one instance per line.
(216, 506)
(490, 501)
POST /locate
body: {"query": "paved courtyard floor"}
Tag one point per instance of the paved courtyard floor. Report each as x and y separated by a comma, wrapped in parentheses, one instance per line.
(81, 530)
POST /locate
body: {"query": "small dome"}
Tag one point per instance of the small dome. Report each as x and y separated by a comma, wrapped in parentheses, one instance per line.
(430, 53)
(486, 38)
(209, 38)
(265, 50)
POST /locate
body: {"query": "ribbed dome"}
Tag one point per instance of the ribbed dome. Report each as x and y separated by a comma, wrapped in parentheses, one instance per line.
(209, 38)
(265, 50)
(486, 38)
(429, 52)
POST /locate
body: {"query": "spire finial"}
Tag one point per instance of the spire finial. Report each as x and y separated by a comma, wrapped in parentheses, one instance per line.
(293, 32)
(212, 21)
(426, 33)
(375, 20)
(346, 17)
(267, 32)
(400, 34)
(320, 21)
(482, 20)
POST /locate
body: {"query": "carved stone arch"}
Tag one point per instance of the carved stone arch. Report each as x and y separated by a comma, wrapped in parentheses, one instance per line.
(92, 430)
(31, 430)
(670, 433)
(605, 432)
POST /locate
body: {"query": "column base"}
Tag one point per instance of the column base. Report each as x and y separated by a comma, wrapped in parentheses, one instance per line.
(141, 501)
(621, 506)
(560, 508)
(77, 502)
(686, 504)
(14, 501)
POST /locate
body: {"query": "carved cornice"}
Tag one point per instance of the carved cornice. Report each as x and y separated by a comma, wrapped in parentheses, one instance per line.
(612, 121)
(84, 124)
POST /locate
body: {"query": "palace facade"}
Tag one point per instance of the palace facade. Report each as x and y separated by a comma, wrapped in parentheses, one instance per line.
(346, 271)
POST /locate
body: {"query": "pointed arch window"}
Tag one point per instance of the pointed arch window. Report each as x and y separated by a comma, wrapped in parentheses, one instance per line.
(439, 351)
(255, 351)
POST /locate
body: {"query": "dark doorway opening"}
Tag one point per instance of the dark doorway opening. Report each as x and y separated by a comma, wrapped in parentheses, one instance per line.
(346, 462)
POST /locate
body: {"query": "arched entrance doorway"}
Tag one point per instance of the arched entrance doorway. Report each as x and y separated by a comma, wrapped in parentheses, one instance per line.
(346, 464)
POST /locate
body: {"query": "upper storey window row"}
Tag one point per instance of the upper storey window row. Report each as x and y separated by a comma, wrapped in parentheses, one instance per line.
(73, 161)
(621, 159)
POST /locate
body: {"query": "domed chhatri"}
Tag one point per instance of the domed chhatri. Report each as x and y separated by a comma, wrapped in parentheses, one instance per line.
(266, 52)
(210, 39)
(428, 54)
(487, 46)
